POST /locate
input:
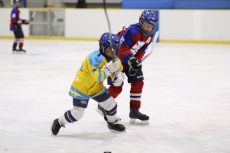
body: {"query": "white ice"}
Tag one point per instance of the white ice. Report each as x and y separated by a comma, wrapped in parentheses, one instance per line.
(186, 95)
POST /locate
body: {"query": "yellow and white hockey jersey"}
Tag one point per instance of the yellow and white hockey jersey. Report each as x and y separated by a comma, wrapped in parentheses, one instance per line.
(89, 79)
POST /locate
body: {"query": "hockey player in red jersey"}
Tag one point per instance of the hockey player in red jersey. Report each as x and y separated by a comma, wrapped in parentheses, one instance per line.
(135, 40)
(15, 26)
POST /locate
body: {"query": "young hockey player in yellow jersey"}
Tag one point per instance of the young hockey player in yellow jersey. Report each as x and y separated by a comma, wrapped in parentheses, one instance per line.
(88, 84)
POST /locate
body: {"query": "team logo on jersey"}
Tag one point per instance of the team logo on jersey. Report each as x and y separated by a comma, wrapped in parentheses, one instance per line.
(136, 47)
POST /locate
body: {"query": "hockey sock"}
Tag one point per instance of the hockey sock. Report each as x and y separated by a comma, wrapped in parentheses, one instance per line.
(15, 45)
(72, 115)
(109, 106)
(20, 45)
(135, 94)
(115, 91)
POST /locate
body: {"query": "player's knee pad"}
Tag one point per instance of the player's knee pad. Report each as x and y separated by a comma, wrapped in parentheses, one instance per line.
(136, 87)
(74, 114)
(115, 91)
(77, 112)
(110, 106)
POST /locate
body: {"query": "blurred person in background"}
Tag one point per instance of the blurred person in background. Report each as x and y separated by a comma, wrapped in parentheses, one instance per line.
(16, 27)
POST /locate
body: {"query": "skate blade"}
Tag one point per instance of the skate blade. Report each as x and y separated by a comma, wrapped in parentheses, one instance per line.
(138, 122)
(18, 52)
(115, 131)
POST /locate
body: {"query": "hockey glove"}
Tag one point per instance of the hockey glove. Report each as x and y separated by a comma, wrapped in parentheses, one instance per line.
(111, 67)
(134, 63)
(118, 80)
(25, 21)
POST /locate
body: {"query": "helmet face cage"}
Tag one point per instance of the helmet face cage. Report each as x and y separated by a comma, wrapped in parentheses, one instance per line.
(150, 17)
(105, 42)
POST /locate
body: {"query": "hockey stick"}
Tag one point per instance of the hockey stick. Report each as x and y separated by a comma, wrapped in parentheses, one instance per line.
(108, 22)
(153, 44)
(33, 16)
(110, 35)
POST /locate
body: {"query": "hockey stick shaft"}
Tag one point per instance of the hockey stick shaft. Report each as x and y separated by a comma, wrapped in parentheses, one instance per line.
(110, 36)
(156, 36)
(109, 26)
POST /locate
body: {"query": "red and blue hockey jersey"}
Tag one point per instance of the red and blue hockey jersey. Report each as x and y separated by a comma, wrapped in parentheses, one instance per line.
(14, 18)
(133, 43)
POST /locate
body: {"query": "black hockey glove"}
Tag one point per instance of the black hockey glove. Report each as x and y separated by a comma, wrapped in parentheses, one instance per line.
(25, 22)
(134, 63)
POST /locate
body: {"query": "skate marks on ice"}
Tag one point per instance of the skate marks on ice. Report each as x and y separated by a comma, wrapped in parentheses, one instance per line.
(186, 95)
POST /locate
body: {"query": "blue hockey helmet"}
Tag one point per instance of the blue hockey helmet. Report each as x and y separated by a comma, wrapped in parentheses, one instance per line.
(17, 1)
(150, 17)
(109, 40)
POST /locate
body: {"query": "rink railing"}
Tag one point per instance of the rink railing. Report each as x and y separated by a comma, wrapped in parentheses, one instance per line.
(176, 26)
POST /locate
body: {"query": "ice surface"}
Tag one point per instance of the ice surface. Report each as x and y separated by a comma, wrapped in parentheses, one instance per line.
(186, 94)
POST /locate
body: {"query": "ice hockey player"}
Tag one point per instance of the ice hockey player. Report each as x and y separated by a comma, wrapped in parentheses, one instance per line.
(15, 26)
(88, 84)
(134, 42)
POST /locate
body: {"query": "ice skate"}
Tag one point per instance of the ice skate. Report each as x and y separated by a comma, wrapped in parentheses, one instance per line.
(116, 126)
(14, 50)
(55, 127)
(136, 117)
(22, 50)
